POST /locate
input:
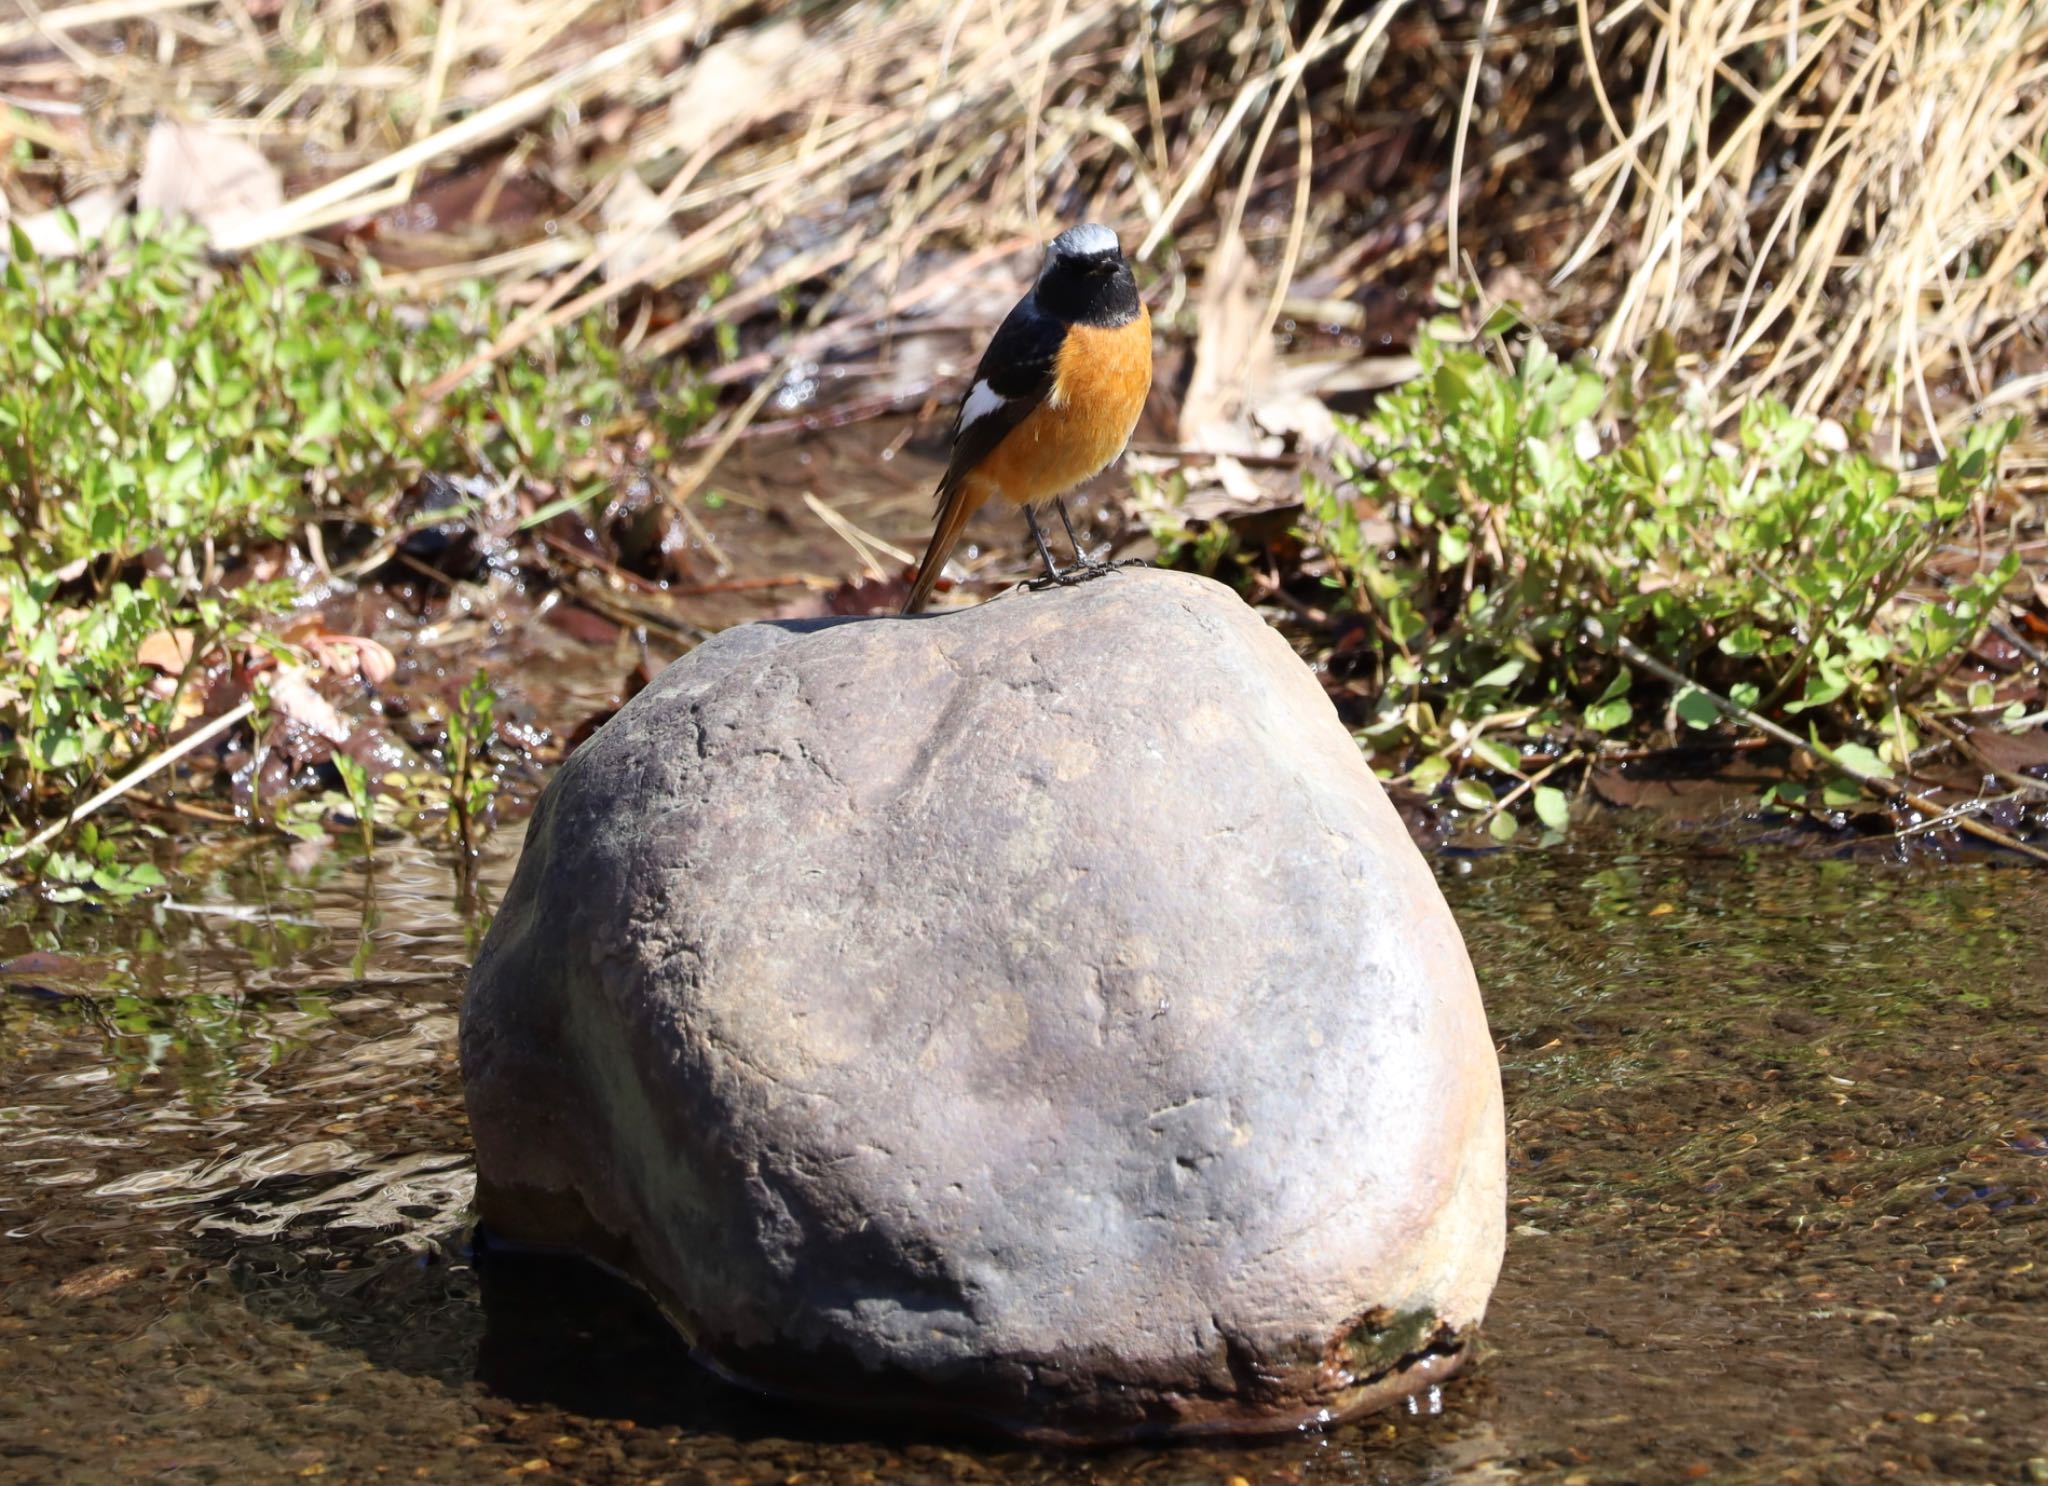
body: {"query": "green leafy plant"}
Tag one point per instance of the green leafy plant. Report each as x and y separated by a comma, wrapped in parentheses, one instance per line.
(95, 866)
(161, 417)
(1530, 539)
(470, 783)
(362, 800)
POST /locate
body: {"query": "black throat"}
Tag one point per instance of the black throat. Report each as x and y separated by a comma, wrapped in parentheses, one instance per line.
(1084, 292)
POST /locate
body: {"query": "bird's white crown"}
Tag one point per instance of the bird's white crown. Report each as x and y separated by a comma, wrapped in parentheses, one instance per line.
(1089, 240)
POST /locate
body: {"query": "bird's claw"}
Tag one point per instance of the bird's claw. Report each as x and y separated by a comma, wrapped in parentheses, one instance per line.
(1080, 572)
(1064, 578)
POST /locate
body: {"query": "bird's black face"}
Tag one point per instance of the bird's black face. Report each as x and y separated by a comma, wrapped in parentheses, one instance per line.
(1092, 265)
(1086, 279)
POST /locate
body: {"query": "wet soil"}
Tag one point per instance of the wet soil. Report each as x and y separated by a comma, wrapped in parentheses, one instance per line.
(1778, 1132)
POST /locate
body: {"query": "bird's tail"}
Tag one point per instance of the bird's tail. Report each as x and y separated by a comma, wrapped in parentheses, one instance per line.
(955, 507)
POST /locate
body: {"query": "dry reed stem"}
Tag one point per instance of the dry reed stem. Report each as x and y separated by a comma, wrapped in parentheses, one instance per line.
(1463, 133)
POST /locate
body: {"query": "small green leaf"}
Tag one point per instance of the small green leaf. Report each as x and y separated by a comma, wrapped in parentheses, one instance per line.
(1589, 391)
(1840, 792)
(1743, 640)
(1497, 755)
(1452, 386)
(1473, 794)
(1503, 827)
(1696, 709)
(1431, 772)
(1503, 319)
(1605, 717)
(1860, 761)
(158, 385)
(1821, 688)
(315, 435)
(1553, 807)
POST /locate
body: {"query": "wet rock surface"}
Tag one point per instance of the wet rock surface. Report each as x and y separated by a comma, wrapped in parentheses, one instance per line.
(1035, 1011)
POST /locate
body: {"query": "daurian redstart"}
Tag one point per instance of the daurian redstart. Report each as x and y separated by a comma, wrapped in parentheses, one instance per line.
(1053, 402)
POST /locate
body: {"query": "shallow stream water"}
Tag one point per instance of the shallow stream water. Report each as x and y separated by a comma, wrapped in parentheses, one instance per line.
(1778, 1131)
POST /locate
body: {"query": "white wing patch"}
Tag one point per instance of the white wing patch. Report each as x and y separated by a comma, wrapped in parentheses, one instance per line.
(982, 400)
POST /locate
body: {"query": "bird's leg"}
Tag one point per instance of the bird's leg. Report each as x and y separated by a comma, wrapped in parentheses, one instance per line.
(1096, 561)
(1053, 574)
(1080, 557)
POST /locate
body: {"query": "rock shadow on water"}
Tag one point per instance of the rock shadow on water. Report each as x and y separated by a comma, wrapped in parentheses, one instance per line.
(563, 1332)
(542, 1331)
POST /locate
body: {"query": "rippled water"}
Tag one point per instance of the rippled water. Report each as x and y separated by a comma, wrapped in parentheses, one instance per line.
(1778, 1125)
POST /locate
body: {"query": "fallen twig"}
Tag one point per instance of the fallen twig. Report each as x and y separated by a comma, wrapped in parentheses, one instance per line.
(1508, 799)
(129, 780)
(865, 544)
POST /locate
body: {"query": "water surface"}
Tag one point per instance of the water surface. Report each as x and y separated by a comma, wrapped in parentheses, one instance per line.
(1778, 1129)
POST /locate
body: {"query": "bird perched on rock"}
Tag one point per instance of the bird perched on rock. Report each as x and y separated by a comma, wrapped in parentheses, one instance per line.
(1053, 402)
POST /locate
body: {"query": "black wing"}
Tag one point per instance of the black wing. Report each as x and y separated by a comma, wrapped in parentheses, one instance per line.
(1018, 367)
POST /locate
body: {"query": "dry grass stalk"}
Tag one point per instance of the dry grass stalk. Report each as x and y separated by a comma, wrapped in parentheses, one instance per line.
(54, 23)
(1904, 240)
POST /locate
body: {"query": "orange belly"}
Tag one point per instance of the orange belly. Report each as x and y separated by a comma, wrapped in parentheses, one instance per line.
(1098, 391)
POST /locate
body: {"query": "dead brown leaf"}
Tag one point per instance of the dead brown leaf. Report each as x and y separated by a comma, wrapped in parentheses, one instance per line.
(1248, 419)
(1229, 354)
(739, 78)
(2015, 753)
(292, 693)
(378, 663)
(1298, 417)
(354, 655)
(218, 179)
(168, 650)
(634, 228)
(339, 654)
(92, 212)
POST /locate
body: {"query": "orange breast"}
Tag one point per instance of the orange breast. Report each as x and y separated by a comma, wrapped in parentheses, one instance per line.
(1098, 390)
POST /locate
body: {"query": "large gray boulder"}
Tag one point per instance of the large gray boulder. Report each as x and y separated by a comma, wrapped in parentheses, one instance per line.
(1035, 1012)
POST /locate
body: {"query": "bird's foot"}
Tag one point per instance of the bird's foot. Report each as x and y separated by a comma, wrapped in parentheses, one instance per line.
(1059, 578)
(1092, 566)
